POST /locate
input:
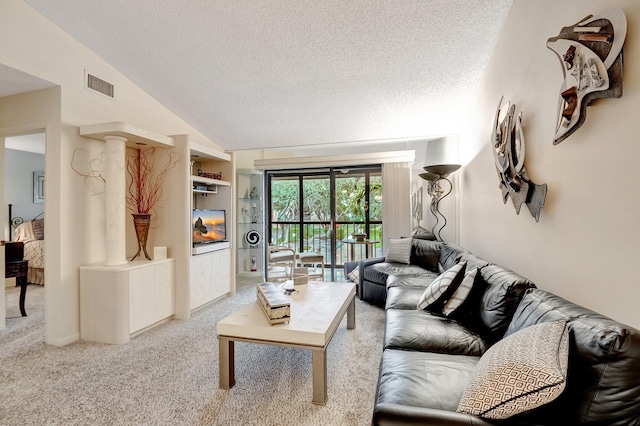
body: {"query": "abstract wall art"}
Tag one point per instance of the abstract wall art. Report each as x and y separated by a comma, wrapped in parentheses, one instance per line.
(508, 149)
(590, 54)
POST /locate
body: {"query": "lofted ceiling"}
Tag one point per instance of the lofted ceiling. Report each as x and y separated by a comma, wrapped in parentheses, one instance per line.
(275, 73)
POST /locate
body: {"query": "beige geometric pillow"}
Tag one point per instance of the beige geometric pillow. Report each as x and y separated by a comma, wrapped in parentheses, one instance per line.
(525, 370)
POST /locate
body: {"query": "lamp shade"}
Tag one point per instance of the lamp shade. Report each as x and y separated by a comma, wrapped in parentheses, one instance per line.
(442, 170)
(428, 176)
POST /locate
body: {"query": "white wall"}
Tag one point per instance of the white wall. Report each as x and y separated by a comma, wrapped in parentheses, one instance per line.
(37, 47)
(585, 247)
(18, 182)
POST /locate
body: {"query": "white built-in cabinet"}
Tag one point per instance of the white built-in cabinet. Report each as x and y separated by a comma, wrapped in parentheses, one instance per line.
(123, 298)
(117, 302)
(210, 277)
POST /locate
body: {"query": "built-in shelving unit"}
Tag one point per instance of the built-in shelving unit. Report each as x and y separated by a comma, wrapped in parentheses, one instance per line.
(211, 264)
(250, 219)
(121, 298)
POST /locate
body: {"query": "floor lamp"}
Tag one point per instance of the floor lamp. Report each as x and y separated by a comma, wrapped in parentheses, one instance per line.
(437, 176)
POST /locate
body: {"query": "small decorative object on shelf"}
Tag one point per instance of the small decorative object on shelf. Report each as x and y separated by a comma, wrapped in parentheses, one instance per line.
(253, 267)
(508, 153)
(273, 303)
(253, 238)
(254, 193)
(590, 53)
(217, 175)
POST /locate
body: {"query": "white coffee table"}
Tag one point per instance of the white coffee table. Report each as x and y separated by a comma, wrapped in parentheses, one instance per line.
(316, 311)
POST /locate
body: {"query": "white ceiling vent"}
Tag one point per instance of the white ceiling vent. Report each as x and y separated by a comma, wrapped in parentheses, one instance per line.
(96, 84)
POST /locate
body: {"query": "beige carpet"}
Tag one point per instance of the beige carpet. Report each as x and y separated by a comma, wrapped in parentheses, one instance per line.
(169, 375)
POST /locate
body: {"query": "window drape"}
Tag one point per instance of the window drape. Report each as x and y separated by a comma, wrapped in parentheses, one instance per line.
(396, 200)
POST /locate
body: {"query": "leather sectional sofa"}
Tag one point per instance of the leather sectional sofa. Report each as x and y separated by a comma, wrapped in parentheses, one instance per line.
(430, 361)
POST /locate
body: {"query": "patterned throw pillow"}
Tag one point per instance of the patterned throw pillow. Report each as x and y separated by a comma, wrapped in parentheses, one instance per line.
(461, 294)
(399, 250)
(354, 276)
(442, 287)
(525, 370)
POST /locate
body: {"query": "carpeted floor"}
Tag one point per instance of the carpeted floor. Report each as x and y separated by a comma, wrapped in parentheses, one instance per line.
(169, 375)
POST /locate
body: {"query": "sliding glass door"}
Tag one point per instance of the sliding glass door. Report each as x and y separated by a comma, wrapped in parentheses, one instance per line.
(315, 210)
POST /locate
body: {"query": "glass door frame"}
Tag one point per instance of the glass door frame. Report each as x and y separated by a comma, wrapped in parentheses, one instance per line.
(330, 173)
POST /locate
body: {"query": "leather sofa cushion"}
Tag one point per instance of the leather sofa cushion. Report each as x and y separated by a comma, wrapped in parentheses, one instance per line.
(403, 297)
(411, 281)
(450, 254)
(379, 272)
(503, 292)
(603, 383)
(424, 379)
(425, 253)
(473, 261)
(423, 331)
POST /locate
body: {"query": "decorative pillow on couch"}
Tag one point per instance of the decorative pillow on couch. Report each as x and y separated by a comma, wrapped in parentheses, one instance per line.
(462, 293)
(442, 288)
(521, 372)
(399, 250)
(354, 275)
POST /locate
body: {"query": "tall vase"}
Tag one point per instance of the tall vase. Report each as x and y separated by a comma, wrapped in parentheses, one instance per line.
(141, 223)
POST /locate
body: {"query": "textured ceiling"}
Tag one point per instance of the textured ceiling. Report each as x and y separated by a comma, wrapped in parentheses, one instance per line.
(274, 73)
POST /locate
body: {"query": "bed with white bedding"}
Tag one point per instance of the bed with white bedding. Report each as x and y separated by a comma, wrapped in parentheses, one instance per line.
(31, 233)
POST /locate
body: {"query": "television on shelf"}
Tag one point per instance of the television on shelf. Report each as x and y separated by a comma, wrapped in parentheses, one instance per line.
(208, 226)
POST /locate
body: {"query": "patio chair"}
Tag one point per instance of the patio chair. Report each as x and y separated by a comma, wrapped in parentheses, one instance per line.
(281, 261)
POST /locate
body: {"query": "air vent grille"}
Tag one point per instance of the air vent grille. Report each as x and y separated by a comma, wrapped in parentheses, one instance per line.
(100, 85)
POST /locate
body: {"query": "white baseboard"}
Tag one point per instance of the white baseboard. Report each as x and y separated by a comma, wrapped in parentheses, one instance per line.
(63, 341)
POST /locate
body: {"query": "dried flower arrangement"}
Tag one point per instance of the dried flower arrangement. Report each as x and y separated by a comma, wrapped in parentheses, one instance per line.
(145, 186)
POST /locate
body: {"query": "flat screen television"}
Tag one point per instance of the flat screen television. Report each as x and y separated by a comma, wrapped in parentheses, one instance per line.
(208, 226)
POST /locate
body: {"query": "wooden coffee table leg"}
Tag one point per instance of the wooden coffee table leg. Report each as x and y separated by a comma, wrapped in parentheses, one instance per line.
(226, 363)
(319, 367)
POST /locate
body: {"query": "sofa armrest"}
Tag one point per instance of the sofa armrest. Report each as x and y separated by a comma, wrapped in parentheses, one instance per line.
(350, 266)
(397, 415)
(367, 262)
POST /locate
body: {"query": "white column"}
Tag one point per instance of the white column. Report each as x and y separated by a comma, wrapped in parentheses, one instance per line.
(115, 201)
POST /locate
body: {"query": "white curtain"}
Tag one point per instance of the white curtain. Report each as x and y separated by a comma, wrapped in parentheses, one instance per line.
(396, 201)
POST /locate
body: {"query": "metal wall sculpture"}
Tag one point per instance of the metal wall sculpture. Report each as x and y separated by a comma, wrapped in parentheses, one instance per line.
(590, 53)
(508, 153)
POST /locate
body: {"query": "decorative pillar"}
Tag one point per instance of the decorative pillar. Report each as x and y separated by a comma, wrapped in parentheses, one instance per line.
(115, 201)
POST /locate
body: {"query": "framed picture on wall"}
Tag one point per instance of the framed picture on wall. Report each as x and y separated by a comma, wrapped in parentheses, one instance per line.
(38, 187)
